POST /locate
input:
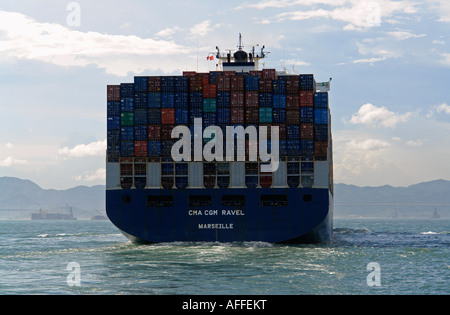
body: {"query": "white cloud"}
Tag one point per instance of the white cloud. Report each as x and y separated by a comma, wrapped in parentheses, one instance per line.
(403, 35)
(443, 108)
(99, 174)
(358, 14)
(9, 145)
(26, 38)
(417, 143)
(82, 150)
(202, 28)
(367, 144)
(10, 161)
(372, 115)
(370, 60)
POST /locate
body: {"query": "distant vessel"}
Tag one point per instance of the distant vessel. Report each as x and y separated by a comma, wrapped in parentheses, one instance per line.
(435, 214)
(42, 215)
(99, 217)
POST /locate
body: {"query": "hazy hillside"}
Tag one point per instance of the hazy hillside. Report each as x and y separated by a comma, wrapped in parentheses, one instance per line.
(350, 201)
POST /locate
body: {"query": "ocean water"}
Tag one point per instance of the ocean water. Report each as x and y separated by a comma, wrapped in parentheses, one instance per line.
(92, 257)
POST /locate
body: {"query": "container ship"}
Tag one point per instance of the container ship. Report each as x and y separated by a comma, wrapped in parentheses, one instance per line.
(233, 155)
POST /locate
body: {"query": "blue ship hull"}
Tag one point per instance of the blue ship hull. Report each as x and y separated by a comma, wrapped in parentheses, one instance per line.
(307, 217)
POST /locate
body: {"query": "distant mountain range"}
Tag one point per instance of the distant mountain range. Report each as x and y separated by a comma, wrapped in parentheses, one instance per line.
(418, 200)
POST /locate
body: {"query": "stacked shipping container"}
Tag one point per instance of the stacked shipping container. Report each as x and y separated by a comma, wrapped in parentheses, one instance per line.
(141, 117)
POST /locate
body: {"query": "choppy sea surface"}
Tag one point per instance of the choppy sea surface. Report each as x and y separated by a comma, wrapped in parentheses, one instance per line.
(366, 256)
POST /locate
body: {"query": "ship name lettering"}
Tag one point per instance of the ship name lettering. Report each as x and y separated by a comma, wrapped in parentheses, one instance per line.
(232, 212)
(215, 226)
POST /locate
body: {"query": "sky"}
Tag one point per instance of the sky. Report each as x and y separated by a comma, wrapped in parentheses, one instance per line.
(389, 62)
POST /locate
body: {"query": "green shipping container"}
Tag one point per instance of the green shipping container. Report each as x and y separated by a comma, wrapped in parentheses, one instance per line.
(265, 115)
(209, 105)
(127, 119)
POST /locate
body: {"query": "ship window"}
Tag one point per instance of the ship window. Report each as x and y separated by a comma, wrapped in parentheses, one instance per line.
(230, 201)
(274, 200)
(200, 201)
(126, 199)
(307, 198)
(159, 201)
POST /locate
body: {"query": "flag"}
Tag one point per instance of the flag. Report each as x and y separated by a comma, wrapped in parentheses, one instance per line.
(210, 58)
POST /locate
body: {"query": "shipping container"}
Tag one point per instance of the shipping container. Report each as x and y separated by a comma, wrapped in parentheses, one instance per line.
(307, 82)
(154, 148)
(210, 91)
(307, 147)
(154, 116)
(292, 147)
(127, 90)
(321, 116)
(269, 74)
(307, 131)
(181, 84)
(195, 112)
(168, 99)
(306, 114)
(223, 115)
(195, 83)
(113, 122)
(265, 99)
(196, 99)
(113, 108)
(166, 148)
(154, 84)
(237, 115)
(127, 148)
(127, 104)
(140, 148)
(265, 85)
(293, 117)
(320, 149)
(251, 115)
(213, 75)
(127, 118)
(237, 83)
(154, 100)
(279, 100)
(224, 83)
(237, 99)
(181, 99)
(140, 84)
(154, 132)
(166, 132)
(141, 116)
(321, 99)
(127, 133)
(113, 92)
(167, 84)
(223, 99)
(209, 119)
(307, 98)
(181, 115)
(209, 105)
(251, 83)
(292, 132)
(292, 84)
(279, 115)
(167, 116)
(265, 115)
(251, 98)
(279, 86)
(293, 101)
(321, 132)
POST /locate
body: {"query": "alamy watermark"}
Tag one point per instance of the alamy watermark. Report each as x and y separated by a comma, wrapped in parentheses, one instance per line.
(374, 277)
(74, 277)
(214, 149)
(74, 17)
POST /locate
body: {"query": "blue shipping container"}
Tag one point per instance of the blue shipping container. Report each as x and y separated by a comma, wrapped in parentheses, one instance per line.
(195, 112)
(127, 104)
(209, 119)
(127, 90)
(307, 147)
(140, 84)
(265, 99)
(141, 116)
(154, 100)
(321, 99)
(321, 132)
(140, 100)
(127, 148)
(279, 86)
(127, 133)
(154, 116)
(113, 108)
(168, 84)
(167, 99)
(293, 132)
(279, 101)
(154, 148)
(279, 115)
(140, 132)
(113, 123)
(223, 99)
(223, 115)
(306, 114)
(307, 82)
(182, 115)
(321, 116)
(181, 84)
(251, 83)
(196, 99)
(293, 147)
(181, 99)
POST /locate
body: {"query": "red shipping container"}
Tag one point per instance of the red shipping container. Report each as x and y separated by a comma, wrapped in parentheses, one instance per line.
(251, 115)
(293, 101)
(293, 84)
(154, 84)
(293, 117)
(154, 132)
(195, 83)
(320, 148)
(251, 98)
(237, 99)
(265, 85)
(229, 73)
(166, 132)
(307, 98)
(282, 134)
(168, 116)
(255, 72)
(269, 74)
(307, 131)
(223, 83)
(113, 92)
(140, 148)
(237, 115)
(189, 73)
(209, 91)
(237, 83)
